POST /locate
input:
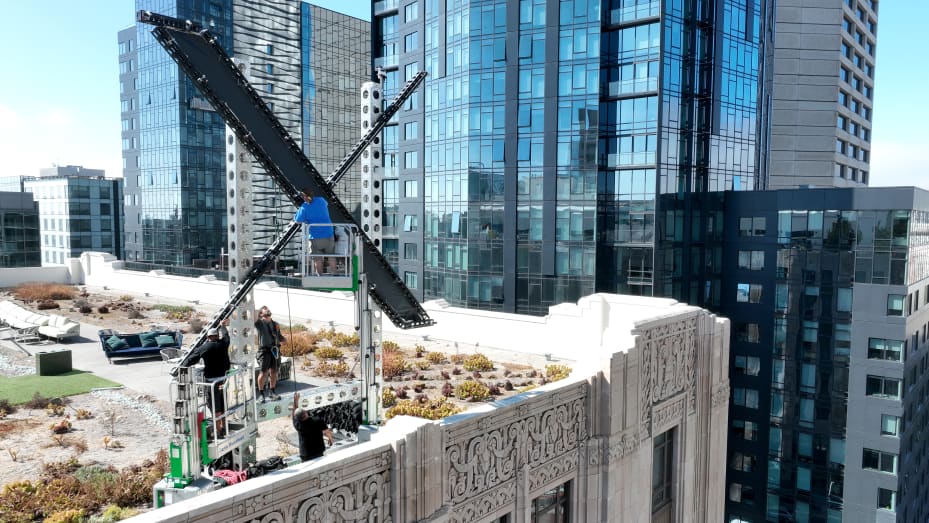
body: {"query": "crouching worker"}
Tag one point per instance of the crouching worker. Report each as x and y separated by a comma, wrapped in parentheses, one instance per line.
(215, 355)
(310, 431)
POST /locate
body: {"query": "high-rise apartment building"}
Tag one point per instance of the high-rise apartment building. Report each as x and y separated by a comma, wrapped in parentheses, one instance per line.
(550, 152)
(19, 230)
(826, 421)
(79, 210)
(822, 98)
(173, 141)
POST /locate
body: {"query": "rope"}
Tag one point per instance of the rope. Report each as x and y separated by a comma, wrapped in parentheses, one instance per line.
(290, 333)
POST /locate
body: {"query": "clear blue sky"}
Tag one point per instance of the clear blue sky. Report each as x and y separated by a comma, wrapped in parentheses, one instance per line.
(59, 100)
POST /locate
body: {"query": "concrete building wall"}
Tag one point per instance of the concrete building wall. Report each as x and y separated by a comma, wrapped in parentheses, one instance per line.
(863, 426)
(810, 115)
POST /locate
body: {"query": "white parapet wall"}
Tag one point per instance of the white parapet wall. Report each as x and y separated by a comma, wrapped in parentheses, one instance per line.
(11, 277)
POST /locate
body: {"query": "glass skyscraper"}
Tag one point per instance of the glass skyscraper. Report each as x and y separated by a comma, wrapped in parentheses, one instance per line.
(308, 64)
(551, 151)
(173, 144)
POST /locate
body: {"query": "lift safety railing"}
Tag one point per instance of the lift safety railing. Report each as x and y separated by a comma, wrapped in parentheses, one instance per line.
(220, 81)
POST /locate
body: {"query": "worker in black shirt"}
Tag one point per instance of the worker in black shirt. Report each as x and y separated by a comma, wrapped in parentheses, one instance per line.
(269, 346)
(310, 431)
(215, 355)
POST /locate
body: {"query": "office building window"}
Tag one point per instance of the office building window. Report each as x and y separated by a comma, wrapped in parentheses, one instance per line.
(747, 332)
(662, 470)
(748, 292)
(877, 460)
(742, 462)
(748, 365)
(411, 279)
(747, 430)
(410, 189)
(895, 305)
(410, 251)
(739, 493)
(411, 12)
(752, 226)
(552, 505)
(883, 387)
(744, 397)
(890, 425)
(882, 349)
(410, 222)
(886, 499)
(751, 260)
(843, 300)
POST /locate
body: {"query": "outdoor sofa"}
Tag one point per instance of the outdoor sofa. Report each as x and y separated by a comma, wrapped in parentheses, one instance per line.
(143, 344)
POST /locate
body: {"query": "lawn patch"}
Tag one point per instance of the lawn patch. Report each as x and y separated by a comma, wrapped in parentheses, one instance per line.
(20, 389)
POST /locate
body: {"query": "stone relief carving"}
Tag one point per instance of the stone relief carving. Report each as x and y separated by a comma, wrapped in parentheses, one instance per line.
(483, 506)
(624, 445)
(668, 362)
(482, 461)
(362, 499)
(554, 469)
(721, 395)
(668, 414)
(252, 505)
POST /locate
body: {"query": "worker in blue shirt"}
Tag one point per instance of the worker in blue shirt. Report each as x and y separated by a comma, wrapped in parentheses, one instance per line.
(315, 211)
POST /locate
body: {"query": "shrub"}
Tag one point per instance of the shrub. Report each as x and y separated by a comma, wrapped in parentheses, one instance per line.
(423, 365)
(472, 391)
(103, 309)
(457, 359)
(329, 353)
(527, 387)
(175, 312)
(7, 407)
(435, 357)
(532, 373)
(332, 370)
(47, 304)
(38, 401)
(476, 375)
(388, 397)
(445, 375)
(71, 515)
(478, 362)
(85, 309)
(390, 345)
(432, 409)
(419, 387)
(299, 344)
(394, 364)
(557, 372)
(114, 513)
(299, 327)
(340, 339)
(126, 297)
(402, 394)
(419, 349)
(135, 315)
(36, 291)
(456, 371)
(447, 389)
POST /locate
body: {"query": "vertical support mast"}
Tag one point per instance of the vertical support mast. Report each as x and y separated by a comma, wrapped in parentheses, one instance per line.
(241, 235)
(372, 176)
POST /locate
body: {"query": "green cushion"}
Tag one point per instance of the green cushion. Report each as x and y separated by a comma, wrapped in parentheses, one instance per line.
(116, 343)
(165, 340)
(148, 339)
